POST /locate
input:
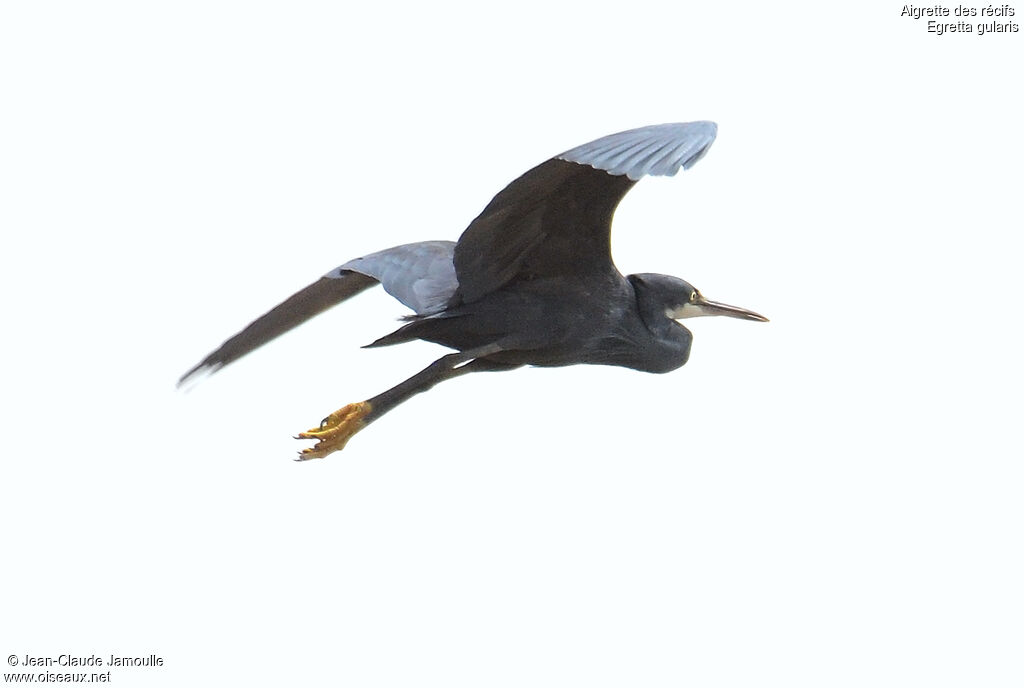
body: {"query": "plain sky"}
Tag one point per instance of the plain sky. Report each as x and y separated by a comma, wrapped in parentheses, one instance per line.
(829, 499)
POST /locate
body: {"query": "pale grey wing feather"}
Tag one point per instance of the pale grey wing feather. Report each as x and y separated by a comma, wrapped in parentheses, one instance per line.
(420, 275)
(660, 149)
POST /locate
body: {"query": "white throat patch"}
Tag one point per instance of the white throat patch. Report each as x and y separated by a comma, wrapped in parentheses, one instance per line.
(687, 310)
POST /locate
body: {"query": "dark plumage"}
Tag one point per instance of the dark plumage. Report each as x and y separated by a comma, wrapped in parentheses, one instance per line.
(531, 281)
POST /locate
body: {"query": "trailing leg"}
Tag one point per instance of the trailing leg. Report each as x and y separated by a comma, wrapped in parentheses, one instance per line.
(338, 428)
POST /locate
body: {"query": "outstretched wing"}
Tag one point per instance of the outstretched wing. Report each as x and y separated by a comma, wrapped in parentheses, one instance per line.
(555, 220)
(293, 311)
(420, 275)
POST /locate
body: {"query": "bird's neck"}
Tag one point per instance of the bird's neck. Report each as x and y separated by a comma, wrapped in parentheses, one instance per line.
(669, 348)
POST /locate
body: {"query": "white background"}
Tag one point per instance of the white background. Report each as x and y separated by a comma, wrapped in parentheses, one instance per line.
(831, 499)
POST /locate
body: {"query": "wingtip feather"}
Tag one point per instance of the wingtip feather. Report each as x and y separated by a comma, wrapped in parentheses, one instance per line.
(660, 149)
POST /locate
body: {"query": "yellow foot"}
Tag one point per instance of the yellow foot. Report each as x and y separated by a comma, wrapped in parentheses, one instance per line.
(335, 431)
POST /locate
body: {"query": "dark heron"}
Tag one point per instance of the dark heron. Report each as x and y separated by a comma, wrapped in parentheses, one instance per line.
(530, 282)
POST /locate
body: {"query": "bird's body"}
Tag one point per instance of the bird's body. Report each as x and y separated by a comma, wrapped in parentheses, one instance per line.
(530, 282)
(547, 322)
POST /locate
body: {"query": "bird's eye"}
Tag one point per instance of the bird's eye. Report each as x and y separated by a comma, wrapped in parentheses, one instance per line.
(693, 296)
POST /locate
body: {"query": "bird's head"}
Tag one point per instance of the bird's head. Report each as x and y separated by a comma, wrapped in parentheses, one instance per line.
(679, 299)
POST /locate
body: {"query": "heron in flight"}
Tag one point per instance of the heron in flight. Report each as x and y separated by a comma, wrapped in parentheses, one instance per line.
(531, 281)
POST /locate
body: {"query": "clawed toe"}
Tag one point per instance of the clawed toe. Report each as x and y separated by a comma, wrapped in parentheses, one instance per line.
(334, 431)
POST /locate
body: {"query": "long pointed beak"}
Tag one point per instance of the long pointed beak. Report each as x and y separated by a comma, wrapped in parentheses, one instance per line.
(714, 308)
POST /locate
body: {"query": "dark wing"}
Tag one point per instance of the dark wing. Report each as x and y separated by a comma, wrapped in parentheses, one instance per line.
(293, 311)
(419, 275)
(555, 220)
